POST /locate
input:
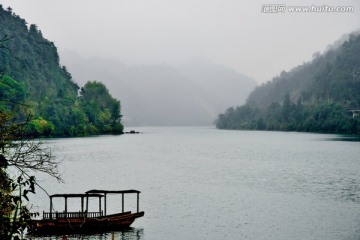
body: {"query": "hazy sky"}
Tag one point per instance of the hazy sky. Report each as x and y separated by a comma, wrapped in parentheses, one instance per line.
(235, 33)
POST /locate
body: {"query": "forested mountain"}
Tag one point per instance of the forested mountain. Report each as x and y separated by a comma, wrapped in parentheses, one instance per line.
(32, 75)
(314, 96)
(187, 94)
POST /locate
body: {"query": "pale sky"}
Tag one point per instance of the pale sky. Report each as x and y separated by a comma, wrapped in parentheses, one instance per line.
(234, 33)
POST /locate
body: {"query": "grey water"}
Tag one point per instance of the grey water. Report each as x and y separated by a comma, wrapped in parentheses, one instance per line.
(204, 183)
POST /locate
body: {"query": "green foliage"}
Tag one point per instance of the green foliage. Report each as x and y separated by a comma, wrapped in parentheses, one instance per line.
(321, 117)
(15, 217)
(11, 92)
(101, 110)
(40, 127)
(312, 97)
(34, 76)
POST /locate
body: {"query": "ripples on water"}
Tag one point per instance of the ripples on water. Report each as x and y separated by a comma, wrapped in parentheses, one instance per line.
(203, 183)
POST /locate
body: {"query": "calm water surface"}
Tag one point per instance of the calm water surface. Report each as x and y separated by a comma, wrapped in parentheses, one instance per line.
(203, 183)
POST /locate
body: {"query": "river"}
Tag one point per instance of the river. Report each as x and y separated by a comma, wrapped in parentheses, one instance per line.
(203, 183)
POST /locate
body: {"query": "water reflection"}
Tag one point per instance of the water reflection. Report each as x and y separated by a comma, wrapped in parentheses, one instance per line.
(346, 138)
(129, 234)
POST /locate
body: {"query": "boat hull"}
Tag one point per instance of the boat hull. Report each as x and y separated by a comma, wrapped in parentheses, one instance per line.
(60, 226)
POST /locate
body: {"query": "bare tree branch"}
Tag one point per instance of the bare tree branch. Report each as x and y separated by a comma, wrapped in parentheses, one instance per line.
(25, 153)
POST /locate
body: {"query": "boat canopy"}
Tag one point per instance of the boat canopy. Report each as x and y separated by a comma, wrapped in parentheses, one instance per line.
(96, 191)
(82, 196)
(122, 192)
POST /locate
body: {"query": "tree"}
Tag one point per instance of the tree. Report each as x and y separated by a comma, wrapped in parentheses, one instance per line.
(101, 109)
(34, 75)
(20, 156)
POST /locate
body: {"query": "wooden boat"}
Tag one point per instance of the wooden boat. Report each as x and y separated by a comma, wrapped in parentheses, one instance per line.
(85, 222)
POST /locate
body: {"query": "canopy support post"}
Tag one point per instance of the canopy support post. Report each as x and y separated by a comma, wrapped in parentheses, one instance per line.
(65, 205)
(137, 202)
(105, 203)
(122, 202)
(82, 204)
(51, 207)
(87, 203)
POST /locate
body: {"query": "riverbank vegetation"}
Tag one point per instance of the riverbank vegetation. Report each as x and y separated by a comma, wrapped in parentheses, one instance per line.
(314, 97)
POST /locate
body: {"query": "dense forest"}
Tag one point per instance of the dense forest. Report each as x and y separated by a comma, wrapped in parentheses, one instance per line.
(314, 97)
(32, 76)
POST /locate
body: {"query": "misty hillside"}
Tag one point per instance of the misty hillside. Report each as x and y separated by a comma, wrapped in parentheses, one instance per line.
(31, 77)
(332, 76)
(163, 95)
(314, 96)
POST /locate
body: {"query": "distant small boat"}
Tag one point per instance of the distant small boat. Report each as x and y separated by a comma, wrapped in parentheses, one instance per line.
(132, 132)
(85, 222)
